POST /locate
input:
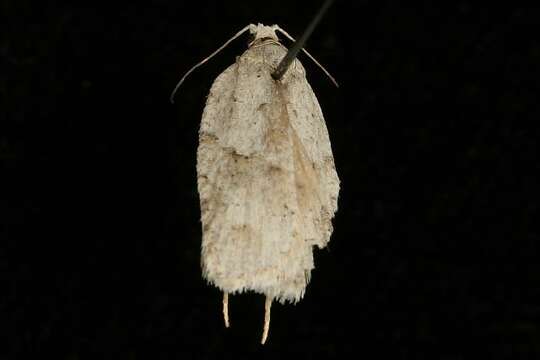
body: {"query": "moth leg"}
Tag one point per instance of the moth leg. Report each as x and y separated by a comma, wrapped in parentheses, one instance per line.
(267, 305)
(226, 308)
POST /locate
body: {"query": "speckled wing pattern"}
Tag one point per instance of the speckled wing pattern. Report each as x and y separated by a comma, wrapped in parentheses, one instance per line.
(266, 178)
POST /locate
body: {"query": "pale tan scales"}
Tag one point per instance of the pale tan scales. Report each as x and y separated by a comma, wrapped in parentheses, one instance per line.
(266, 177)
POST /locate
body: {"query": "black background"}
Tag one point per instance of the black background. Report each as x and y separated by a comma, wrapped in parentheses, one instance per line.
(434, 253)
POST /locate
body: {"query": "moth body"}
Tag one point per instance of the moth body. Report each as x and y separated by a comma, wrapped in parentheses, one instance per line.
(267, 182)
(266, 176)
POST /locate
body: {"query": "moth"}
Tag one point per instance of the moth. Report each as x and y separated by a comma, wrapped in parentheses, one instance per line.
(266, 177)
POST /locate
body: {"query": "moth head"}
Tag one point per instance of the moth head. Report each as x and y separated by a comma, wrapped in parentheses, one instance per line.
(262, 32)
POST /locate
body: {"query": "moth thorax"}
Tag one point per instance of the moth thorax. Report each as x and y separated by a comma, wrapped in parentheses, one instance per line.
(263, 41)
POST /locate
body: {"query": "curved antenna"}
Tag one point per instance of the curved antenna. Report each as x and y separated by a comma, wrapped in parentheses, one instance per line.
(299, 45)
(205, 60)
(278, 74)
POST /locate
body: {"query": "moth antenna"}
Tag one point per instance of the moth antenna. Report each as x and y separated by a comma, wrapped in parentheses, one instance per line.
(226, 308)
(299, 45)
(267, 306)
(205, 60)
(309, 55)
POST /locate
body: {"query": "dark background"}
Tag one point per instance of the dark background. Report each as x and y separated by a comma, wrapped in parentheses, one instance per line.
(434, 253)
